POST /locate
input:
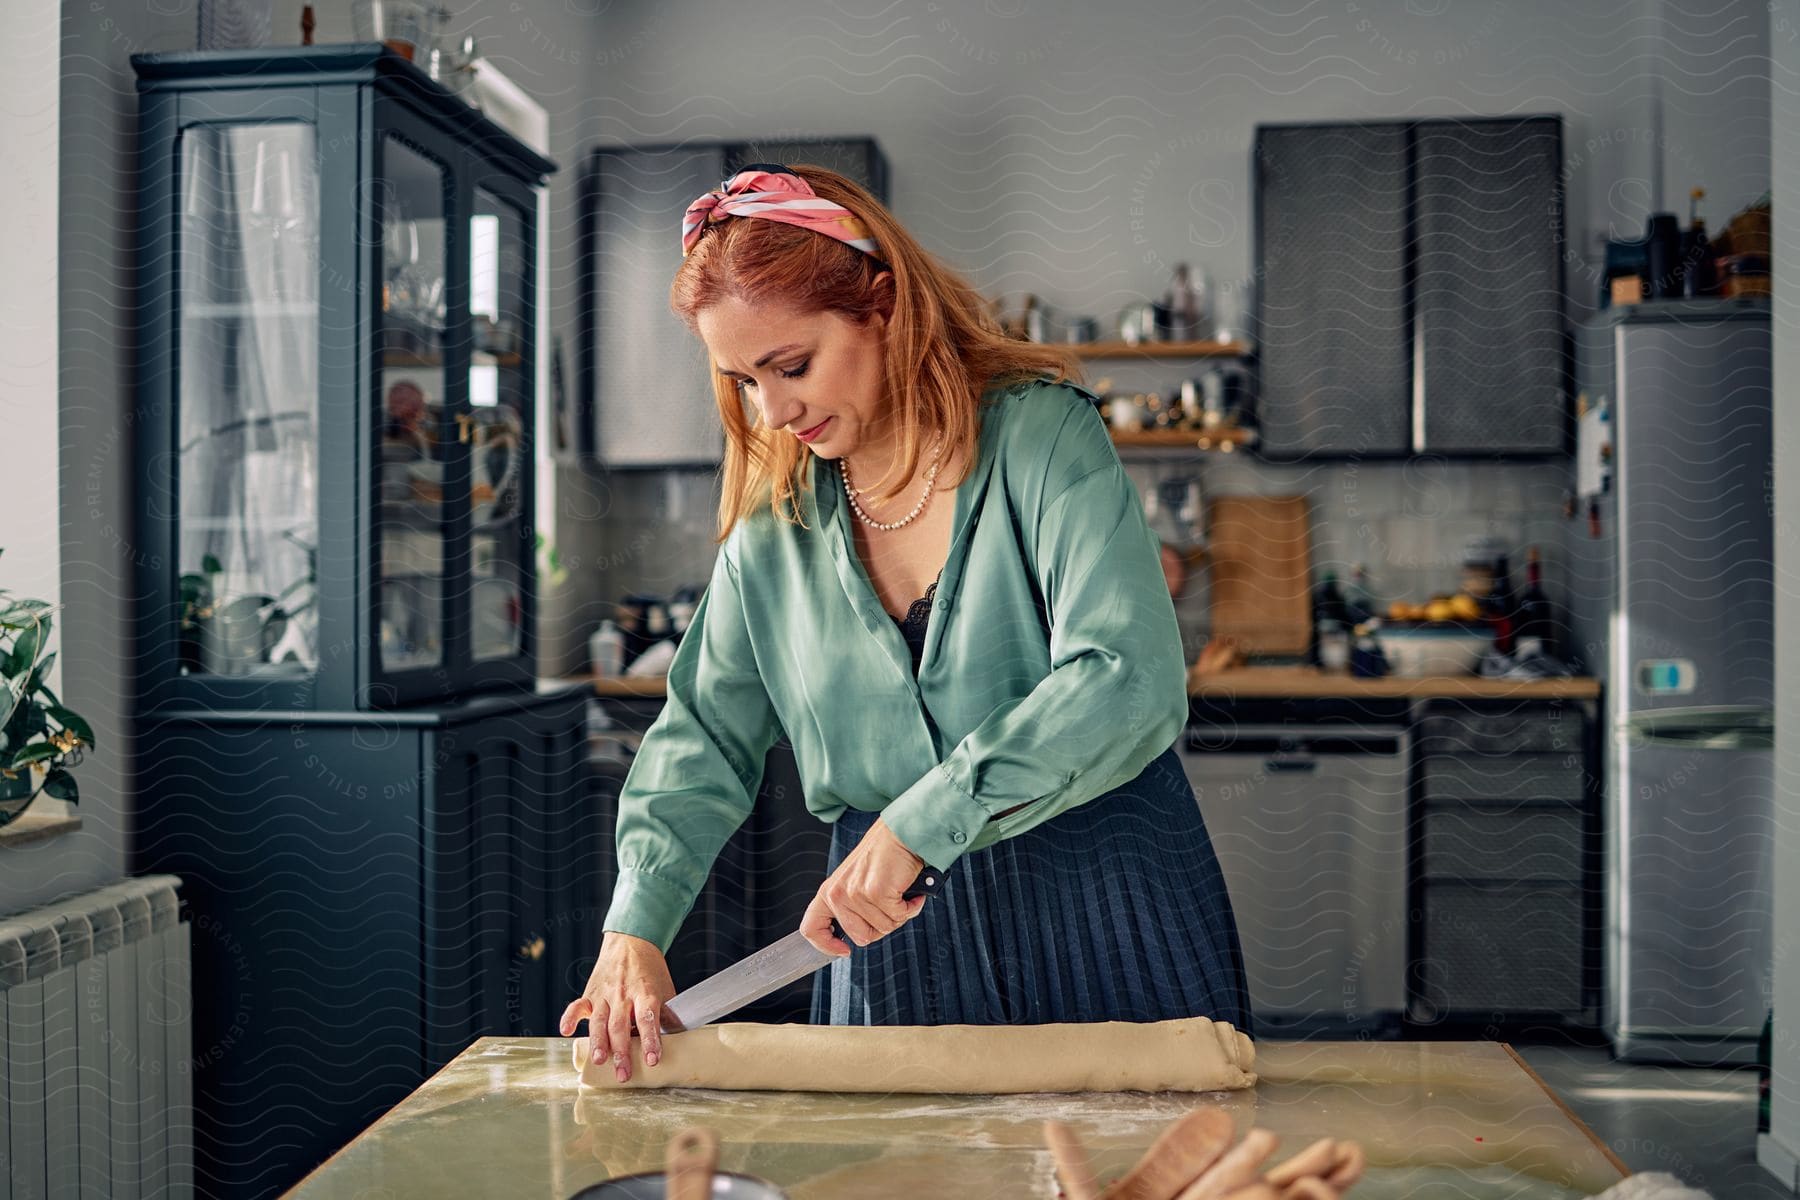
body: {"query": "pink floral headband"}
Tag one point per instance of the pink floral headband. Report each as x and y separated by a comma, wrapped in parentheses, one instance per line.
(777, 194)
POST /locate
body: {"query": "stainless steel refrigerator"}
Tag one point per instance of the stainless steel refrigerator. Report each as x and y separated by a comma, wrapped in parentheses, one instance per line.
(1673, 606)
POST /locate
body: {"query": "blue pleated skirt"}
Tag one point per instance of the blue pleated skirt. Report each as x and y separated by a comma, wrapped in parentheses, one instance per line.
(1114, 910)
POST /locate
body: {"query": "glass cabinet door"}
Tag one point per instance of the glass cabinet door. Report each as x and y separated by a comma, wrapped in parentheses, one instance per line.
(415, 409)
(500, 408)
(245, 453)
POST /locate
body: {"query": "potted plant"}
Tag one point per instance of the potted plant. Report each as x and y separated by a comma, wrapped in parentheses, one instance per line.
(40, 739)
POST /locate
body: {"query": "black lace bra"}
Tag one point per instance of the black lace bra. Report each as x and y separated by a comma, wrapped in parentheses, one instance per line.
(912, 625)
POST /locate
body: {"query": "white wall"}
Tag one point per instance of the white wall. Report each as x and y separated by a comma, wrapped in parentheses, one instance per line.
(29, 518)
(30, 565)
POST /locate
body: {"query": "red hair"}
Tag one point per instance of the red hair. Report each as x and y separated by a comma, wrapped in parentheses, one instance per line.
(941, 349)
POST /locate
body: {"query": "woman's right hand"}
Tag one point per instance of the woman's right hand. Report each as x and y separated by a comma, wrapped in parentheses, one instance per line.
(629, 986)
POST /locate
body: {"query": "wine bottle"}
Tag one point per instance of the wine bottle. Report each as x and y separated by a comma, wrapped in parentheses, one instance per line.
(1536, 621)
(1501, 608)
(1698, 275)
(1330, 650)
(1359, 601)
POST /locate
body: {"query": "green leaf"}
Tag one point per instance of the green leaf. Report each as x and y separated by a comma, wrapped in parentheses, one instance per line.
(42, 673)
(211, 565)
(25, 648)
(36, 752)
(61, 785)
(71, 721)
(20, 612)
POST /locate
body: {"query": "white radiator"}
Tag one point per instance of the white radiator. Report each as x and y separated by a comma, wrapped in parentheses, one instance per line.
(95, 1044)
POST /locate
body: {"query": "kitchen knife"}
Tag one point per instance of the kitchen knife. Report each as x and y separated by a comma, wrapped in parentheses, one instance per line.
(769, 969)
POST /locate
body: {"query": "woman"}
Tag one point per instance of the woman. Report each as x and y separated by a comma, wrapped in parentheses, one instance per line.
(937, 580)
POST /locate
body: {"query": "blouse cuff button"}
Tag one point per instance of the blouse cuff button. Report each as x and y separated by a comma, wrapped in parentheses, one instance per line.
(958, 836)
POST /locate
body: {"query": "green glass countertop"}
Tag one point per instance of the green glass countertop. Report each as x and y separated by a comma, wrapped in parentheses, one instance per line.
(508, 1117)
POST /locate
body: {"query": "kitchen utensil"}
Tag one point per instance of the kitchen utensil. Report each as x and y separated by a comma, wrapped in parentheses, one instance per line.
(1073, 1168)
(1212, 399)
(1137, 323)
(1180, 1153)
(689, 1162)
(653, 1185)
(1259, 549)
(634, 617)
(1125, 413)
(769, 969)
(1230, 305)
(1084, 329)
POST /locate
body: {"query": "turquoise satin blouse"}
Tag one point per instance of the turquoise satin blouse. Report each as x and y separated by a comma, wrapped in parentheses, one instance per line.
(1052, 673)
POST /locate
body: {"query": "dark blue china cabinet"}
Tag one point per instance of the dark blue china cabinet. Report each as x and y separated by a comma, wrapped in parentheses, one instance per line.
(380, 816)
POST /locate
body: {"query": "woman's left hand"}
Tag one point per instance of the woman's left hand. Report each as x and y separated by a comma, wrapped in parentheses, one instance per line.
(864, 893)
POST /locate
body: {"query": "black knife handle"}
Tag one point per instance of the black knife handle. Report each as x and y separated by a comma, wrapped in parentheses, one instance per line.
(929, 883)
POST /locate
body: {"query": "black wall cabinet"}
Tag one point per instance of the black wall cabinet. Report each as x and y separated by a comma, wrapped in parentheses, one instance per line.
(646, 397)
(1410, 295)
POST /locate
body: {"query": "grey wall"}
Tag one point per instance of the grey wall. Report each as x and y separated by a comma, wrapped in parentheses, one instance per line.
(1077, 150)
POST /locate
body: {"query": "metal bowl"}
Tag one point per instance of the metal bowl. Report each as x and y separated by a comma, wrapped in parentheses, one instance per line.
(652, 1185)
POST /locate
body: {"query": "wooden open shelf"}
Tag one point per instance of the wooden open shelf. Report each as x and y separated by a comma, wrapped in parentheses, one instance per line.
(1183, 439)
(1208, 349)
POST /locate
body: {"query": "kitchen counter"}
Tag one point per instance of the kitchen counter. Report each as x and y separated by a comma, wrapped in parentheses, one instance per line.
(508, 1117)
(1289, 682)
(1309, 682)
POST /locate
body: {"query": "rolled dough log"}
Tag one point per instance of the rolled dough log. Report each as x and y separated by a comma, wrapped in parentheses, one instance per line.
(1189, 1055)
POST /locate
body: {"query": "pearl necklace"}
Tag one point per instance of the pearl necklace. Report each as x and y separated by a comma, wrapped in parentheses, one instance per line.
(930, 479)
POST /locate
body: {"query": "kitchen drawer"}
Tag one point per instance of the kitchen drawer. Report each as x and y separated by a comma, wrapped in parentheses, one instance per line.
(1453, 729)
(1473, 844)
(1496, 949)
(1510, 777)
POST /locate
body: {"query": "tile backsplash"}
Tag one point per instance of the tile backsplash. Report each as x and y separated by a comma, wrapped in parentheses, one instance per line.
(1408, 522)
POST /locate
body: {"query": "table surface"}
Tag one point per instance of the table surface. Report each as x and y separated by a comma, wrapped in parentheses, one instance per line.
(509, 1117)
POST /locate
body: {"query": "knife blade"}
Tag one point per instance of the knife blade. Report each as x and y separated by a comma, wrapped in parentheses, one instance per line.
(769, 969)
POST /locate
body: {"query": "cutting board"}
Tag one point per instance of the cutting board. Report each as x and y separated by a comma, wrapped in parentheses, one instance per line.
(1259, 550)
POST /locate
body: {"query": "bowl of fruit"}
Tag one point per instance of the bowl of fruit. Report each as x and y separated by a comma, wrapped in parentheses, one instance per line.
(1443, 636)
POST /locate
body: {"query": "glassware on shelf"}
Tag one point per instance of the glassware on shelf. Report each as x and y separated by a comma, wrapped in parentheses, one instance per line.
(246, 528)
(1231, 306)
(412, 527)
(407, 27)
(499, 385)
